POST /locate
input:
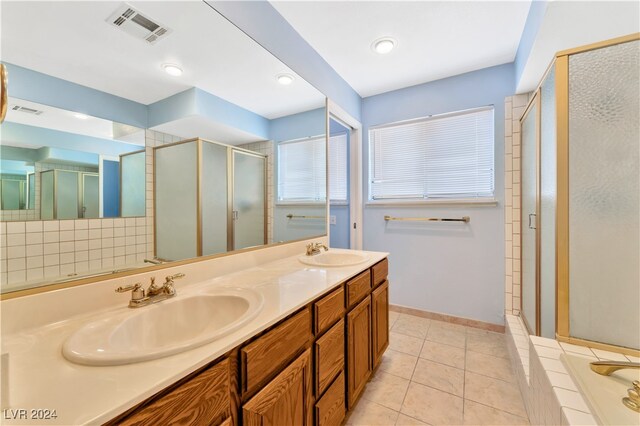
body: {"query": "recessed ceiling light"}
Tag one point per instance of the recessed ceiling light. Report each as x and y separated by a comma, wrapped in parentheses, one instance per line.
(80, 116)
(172, 70)
(383, 45)
(284, 79)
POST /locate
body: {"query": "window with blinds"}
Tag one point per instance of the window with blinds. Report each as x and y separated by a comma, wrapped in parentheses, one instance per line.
(449, 156)
(302, 170)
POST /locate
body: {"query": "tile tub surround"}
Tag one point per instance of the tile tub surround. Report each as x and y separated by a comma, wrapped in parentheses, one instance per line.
(514, 107)
(34, 328)
(436, 372)
(551, 397)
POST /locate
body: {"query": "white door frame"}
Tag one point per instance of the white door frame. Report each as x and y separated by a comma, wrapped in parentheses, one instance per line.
(355, 172)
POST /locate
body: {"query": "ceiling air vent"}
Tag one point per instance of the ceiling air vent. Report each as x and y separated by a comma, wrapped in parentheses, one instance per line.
(138, 25)
(26, 110)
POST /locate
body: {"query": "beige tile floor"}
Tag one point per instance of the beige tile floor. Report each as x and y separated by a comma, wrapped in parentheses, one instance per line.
(437, 373)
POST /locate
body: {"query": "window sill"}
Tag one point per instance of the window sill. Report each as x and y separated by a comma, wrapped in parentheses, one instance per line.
(301, 204)
(491, 202)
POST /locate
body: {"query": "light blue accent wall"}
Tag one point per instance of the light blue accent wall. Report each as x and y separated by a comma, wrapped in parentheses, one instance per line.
(449, 268)
(297, 126)
(48, 90)
(111, 188)
(536, 14)
(21, 134)
(174, 107)
(260, 21)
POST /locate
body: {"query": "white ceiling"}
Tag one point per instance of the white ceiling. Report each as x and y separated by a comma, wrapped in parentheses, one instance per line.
(72, 41)
(436, 39)
(569, 24)
(66, 121)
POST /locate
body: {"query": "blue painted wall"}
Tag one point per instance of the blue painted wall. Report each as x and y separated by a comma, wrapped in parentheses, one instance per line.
(42, 88)
(447, 268)
(111, 188)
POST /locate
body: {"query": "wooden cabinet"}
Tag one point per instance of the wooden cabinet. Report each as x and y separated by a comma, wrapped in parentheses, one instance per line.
(268, 354)
(286, 401)
(328, 310)
(380, 271)
(330, 410)
(358, 287)
(358, 349)
(200, 400)
(329, 352)
(380, 321)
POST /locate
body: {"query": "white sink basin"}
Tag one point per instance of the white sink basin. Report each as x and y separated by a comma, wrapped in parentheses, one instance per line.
(332, 258)
(163, 329)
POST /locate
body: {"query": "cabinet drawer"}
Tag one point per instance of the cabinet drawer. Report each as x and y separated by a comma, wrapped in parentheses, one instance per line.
(203, 400)
(380, 319)
(328, 309)
(269, 353)
(329, 350)
(380, 272)
(330, 410)
(358, 287)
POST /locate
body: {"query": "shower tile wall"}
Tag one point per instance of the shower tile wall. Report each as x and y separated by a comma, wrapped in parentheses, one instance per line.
(266, 148)
(46, 250)
(514, 107)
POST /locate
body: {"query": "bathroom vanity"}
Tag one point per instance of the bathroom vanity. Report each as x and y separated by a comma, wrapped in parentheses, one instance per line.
(309, 368)
(304, 360)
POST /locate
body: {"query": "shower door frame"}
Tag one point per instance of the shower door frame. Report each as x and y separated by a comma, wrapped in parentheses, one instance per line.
(563, 332)
(534, 101)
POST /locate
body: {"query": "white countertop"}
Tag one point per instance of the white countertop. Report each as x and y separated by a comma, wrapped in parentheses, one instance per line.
(41, 378)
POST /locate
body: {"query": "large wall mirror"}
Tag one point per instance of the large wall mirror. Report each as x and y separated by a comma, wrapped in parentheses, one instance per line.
(148, 132)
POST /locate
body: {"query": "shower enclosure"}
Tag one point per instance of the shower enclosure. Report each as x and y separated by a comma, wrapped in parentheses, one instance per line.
(580, 188)
(67, 194)
(209, 198)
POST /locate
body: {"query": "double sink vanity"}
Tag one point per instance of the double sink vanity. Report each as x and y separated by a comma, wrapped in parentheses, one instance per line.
(286, 341)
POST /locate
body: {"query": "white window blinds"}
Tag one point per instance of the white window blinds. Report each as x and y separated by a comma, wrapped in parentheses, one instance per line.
(338, 159)
(448, 156)
(302, 170)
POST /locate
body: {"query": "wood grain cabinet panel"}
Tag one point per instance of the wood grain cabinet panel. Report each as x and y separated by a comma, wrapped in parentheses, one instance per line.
(329, 351)
(270, 353)
(380, 272)
(358, 287)
(328, 310)
(358, 349)
(202, 400)
(286, 401)
(380, 321)
(330, 410)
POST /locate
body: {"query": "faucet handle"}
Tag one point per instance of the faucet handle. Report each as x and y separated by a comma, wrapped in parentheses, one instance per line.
(175, 276)
(137, 292)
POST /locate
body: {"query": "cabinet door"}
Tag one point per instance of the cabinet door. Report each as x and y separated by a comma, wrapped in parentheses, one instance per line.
(358, 349)
(380, 304)
(286, 400)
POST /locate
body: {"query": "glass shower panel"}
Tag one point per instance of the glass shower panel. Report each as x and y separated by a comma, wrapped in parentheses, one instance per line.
(31, 191)
(604, 194)
(46, 195)
(176, 201)
(528, 217)
(249, 207)
(90, 196)
(214, 198)
(132, 185)
(548, 199)
(67, 194)
(10, 194)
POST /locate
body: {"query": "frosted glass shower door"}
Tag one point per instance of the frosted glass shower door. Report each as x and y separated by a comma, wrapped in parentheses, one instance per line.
(67, 194)
(215, 201)
(90, 196)
(132, 184)
(529, 189)
(604, 194)
(176, 201)
(249, 196)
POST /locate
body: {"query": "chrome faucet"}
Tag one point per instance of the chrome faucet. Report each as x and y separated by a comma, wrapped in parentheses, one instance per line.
(314, 248)
(155, 293)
